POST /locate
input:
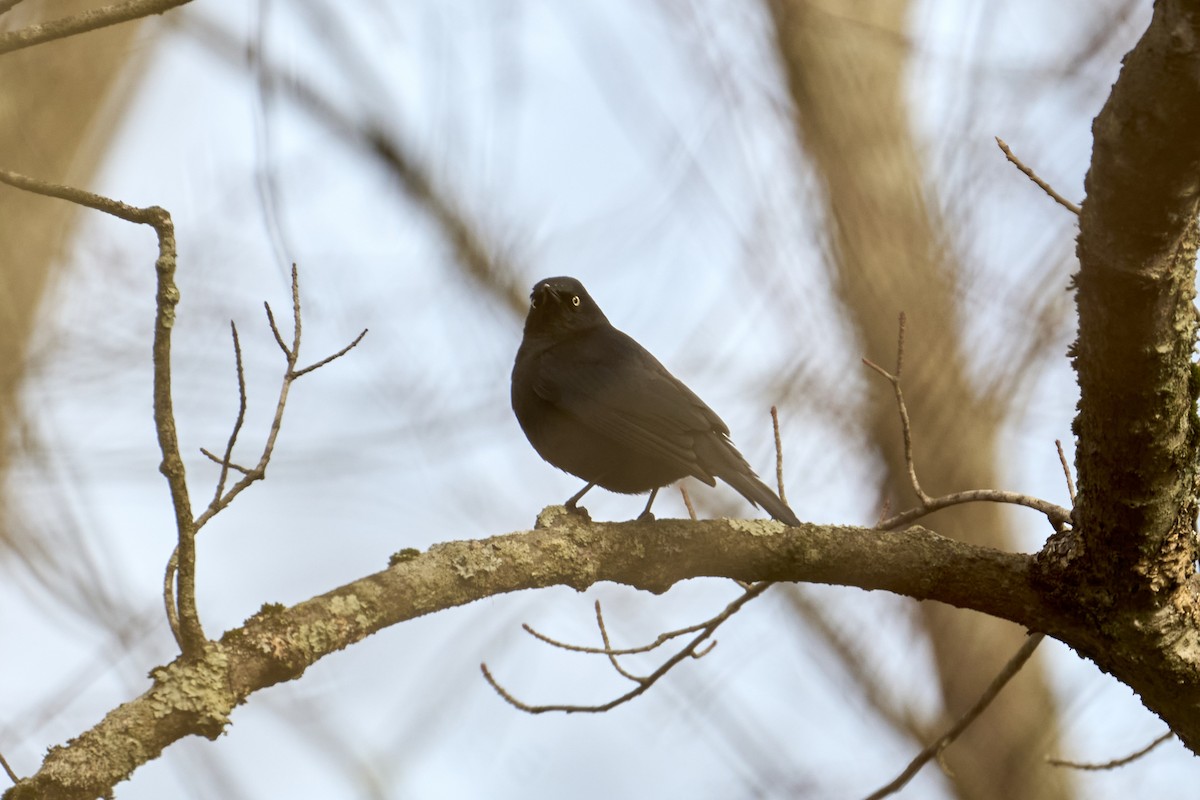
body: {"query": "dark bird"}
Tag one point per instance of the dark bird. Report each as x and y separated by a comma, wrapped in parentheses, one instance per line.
(594, 403)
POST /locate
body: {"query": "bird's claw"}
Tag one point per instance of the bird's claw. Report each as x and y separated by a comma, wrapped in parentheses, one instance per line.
(645, 516)
(579, 511)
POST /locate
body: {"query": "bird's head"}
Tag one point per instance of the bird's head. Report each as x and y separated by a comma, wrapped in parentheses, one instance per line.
(560, 306)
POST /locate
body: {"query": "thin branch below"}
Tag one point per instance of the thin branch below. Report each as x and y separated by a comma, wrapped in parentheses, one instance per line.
(1116, 762)
(946, 739)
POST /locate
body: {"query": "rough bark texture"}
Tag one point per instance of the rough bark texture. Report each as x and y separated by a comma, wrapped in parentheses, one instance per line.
(1137, 321)
(845, 65)
(278, 644)
(1129, 565)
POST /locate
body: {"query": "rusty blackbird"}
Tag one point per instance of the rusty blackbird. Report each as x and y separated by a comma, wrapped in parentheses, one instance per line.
(594, 403)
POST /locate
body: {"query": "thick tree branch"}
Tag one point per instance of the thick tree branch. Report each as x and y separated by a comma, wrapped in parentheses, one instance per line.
(195, 697)
(1127, 565)
(1136, 427)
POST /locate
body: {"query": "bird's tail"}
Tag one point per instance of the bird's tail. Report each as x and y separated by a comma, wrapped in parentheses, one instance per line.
(757, 492)
(721, 458)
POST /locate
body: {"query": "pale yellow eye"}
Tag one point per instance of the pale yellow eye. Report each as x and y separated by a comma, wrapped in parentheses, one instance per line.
(575, 300)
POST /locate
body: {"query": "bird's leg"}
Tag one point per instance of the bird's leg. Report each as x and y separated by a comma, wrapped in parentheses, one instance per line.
(574, 509)
(646, 516)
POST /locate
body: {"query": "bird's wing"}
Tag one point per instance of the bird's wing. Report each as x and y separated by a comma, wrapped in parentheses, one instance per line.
(611, 384)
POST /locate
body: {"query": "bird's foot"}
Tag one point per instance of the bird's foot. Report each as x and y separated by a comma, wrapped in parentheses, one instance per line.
(579, 511)
(645, 516)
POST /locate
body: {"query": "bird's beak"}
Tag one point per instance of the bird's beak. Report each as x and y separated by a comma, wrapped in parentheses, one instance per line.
(540, 293)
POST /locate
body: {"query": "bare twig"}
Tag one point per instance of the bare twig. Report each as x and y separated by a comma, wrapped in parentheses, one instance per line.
(778, 455)
(935, 748)
(1058, 518)
(275, 329)
(687, 502)
(1116, 762)
(141, 216)
(82, 22)
(8, 770)
(1033, 176)
(291, 374)
(1055, 513)
(222, 499)
(333, 357)
(612, 657)
(692, 649)
(169, 595)
(906, 428)
(608, 650)
(179, 584)
(884, 510)
(241, 415)
(1062, 458)
(188, 632)
(216, 459)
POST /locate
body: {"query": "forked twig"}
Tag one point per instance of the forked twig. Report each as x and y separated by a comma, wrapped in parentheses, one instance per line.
(608, 650)
(696, 652)
(693, 649)
(334, 357)
(612, 657)
(186, 620)
(291, 373)
(935, 748)
(179, 583)
(222, 498)
(1057, 515)
(1033, 176)
(906, 428)
(1116, 762)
